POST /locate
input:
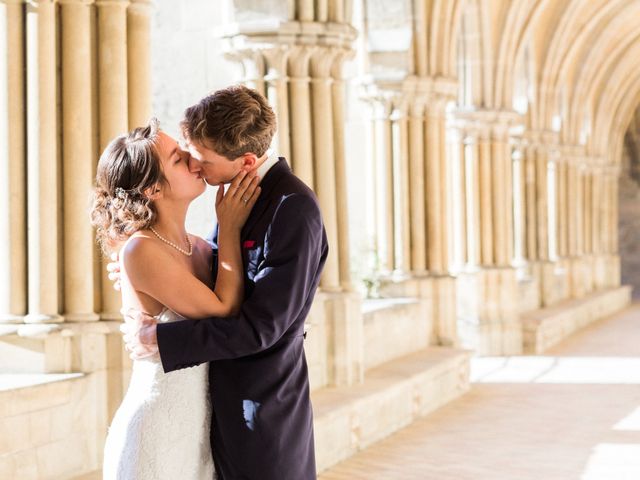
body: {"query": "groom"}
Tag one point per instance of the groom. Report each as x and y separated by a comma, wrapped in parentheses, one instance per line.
(262, 426)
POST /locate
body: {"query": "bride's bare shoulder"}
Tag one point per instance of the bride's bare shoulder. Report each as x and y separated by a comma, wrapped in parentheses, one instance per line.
(141, 248)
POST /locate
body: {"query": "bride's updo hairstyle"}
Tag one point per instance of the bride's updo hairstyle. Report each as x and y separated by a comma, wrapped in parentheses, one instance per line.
(128, 167)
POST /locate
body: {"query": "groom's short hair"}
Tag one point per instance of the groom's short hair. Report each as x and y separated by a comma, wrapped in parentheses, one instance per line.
(232, 121)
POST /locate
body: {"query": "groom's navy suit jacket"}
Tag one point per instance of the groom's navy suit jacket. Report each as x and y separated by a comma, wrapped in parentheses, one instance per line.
(262, 426)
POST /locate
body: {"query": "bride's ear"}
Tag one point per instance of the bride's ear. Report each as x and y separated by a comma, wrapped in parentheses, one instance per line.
(154, 192)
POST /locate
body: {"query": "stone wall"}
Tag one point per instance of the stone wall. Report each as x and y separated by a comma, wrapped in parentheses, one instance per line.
(187, 63)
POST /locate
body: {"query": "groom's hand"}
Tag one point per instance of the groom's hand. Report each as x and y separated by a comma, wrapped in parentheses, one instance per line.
(139, 332)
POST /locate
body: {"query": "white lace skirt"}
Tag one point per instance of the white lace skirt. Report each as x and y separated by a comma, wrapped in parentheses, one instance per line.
(161, 429)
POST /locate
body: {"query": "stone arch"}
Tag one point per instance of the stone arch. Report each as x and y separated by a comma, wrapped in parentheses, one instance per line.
(567, 44)
(473, 51)
(595, 73)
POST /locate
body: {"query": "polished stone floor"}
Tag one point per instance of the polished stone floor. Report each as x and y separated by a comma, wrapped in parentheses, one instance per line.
(573, 413)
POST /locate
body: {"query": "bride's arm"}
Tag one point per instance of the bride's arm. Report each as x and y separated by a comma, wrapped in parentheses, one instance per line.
(153, 271)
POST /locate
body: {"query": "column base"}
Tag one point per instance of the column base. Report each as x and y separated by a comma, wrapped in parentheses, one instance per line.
(334, 343)
(487, 302)
(82, 317)
(440, 293)
(111, 316)
(606, 271)
(8, 318)
(528, 276)
(43, 318)
(554, 278)
(580, 276)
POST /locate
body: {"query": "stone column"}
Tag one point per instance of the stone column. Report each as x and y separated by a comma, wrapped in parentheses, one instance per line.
(615, 209)
(472, 195)
(113, 101)
(485, 164)
(13, 195)
(336, 11)
(417, 188)
(138, 67)
(562, 219)
(542, 202)
(588, 211)
(44, 234)
(596, 224)
(531, 203)
(400, 149)
(502, 196)
(338, 101)
(254, 66)
(614, 276)
(520, 204)
(78, 156)
(610, 214)
(581, 203)
(300, 114)
(572, 225)
(435, 182)
(438, 211)
(324, 160)
(384, 183)
(278, 95)
(487, 302)
(458, 196)
(305, 10)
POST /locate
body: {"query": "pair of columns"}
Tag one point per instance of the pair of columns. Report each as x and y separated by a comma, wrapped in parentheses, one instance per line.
(583, 192)
(412, 204)
(305, 85)
(486, 176)
(57, 274)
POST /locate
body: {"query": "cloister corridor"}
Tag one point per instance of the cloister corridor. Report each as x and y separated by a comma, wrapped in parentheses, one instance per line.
(571, 414)
(476, 164)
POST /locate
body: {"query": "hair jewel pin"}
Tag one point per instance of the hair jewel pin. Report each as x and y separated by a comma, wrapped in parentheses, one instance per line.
(121, 193)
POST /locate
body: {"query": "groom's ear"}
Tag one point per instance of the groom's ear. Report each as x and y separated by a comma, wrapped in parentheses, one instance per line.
(249, 161)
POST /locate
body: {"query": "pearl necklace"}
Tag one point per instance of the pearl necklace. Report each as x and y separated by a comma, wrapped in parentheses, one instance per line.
(171, 244)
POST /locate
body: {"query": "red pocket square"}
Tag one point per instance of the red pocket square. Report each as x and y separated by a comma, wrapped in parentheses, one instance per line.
(249, 244)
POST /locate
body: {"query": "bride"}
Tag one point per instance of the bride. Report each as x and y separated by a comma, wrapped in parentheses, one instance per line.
(144, 187)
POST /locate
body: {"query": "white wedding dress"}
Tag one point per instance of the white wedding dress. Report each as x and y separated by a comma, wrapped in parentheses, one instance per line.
(161, 429)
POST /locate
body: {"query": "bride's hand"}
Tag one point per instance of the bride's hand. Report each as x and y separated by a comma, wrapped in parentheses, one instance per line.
(233, 207)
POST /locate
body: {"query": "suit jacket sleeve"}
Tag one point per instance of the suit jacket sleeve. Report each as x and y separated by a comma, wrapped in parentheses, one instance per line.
(287, 276)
